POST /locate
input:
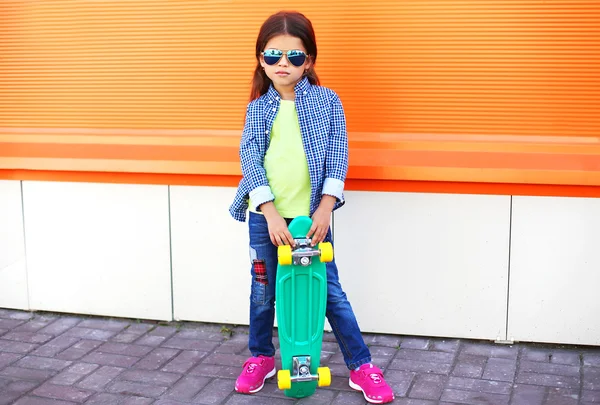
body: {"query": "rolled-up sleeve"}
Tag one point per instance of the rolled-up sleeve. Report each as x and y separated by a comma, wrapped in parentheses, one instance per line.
(336, 162)
(252, 158)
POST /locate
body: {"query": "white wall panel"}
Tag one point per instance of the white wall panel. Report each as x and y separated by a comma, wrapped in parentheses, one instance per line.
(13, 272)
(555, 270)
(98, 248)
(425, 264)
(211, 263)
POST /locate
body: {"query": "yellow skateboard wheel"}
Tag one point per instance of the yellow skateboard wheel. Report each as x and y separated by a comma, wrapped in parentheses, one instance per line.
(284, 379)
(324, 374)
(284, 255)
(326, 252)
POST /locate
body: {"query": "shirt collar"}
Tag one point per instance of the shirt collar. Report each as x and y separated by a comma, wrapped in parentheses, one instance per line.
(301, 89)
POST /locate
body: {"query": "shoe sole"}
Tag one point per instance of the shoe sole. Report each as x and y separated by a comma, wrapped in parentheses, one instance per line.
(269, 375)
(370, 400)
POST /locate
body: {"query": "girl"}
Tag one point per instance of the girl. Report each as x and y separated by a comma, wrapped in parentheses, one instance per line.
(294, 158)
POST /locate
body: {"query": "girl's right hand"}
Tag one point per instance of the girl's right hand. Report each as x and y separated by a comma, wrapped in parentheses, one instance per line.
(278, 229)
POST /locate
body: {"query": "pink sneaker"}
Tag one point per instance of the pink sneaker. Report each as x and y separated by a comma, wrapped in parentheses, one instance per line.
(369, 379)
(256, 371)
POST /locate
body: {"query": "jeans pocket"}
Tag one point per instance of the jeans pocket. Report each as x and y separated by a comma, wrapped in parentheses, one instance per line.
(259, 292)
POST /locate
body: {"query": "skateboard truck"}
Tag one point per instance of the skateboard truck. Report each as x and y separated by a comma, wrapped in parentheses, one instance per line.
(301, 369)
(303, 252)
(301, 372)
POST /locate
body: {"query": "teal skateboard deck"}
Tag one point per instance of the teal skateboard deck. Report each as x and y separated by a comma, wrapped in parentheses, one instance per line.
(300, 302)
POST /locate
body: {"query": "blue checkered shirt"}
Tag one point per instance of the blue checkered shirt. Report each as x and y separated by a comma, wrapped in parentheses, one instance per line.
(323, 128)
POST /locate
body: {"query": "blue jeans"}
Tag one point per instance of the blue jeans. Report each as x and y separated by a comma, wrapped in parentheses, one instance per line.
(262, 302)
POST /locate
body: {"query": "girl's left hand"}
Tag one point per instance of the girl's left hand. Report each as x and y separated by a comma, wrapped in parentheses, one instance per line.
(321, 220)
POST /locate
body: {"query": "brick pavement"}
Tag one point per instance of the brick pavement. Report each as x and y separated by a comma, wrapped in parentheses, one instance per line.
(54, 359)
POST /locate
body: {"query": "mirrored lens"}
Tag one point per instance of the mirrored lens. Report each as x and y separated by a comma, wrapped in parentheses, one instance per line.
(272, 56)
(296, 57)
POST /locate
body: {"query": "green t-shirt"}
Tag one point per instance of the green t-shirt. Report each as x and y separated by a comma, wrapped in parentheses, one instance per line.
(286, 165)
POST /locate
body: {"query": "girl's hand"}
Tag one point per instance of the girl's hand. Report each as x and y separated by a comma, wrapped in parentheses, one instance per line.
(278, 229)
(321, 220)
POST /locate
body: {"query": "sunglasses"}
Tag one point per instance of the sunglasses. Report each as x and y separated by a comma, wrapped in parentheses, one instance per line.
(295, 56)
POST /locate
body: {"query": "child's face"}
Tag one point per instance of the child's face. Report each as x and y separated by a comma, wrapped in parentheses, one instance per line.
(285, 74)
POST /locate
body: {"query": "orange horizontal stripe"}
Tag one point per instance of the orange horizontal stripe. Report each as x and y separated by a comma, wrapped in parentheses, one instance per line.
(351, 184)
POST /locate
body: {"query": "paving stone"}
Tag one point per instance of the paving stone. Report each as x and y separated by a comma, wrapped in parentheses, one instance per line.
(400, 381)
(108, 359)
(420, 366)
(184, 361)
(591, 378)
(473, 384)
(215, 391)
(124, 349)
(428, 387)
(28, 400)
(238, 399)
(8, 358)
(27, 373)
(73, 374)
(469, 366)
(474, 397)
(33, 326)
(380, 340)
(55, 346)
(562, 396)
(211, 370)
(424, 356)
(490, 350)
(566, 357)
(224, 359)
(27, 337)
(415, 343)
(16, 314)
(11, 346)
(547, 368)
(187, 388)
(157, 358)
(199, 334)
(60, 326)
(42, 363)
(500, 369)
(548, 380)
(79, 350)
(536, 354)
(591, 359)
(414, 401)
(350, 398)
(150, 377)
(9, 324)
(590, 396)
(443, 345)
(100, 378)
(129, 387)
(189, 344)
(163, 331)
(153, 341)
(104, 324)
(524, 394)
(91, 334)
(104, 399)
(61, 392)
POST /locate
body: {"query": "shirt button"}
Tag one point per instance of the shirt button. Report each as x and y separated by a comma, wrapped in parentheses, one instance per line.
(304, 92)
(270, 101)
(274, 109)
(267, 132)
(277, 98)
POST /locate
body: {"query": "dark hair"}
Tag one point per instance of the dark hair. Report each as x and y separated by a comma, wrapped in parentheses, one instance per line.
(290, 23)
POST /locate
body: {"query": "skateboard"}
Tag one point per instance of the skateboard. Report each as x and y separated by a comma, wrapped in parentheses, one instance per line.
(300, 302)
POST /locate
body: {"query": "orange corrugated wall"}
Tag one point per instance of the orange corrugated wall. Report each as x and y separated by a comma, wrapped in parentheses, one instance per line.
(487, 67)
